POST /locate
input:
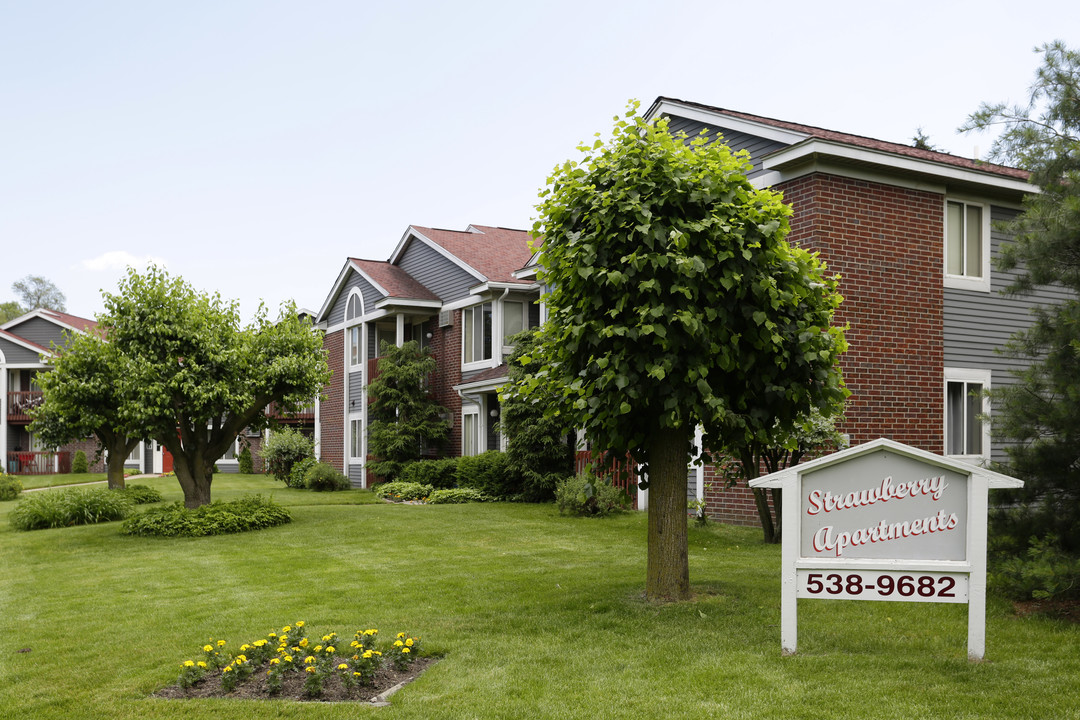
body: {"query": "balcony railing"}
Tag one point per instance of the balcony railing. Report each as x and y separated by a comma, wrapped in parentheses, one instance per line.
(621, 471)
(304, 414)
(20, 403)
(38, 463)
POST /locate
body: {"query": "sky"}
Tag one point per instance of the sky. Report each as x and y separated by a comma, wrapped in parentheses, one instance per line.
(252, 147)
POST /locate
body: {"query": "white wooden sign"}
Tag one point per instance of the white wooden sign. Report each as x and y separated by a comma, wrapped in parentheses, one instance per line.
(885, 521)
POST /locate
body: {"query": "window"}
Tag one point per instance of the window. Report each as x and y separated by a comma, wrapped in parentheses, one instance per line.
(967, 434)
(470, 432)
(967, 245)
(385, 333)
(514, 320)
(356, 435)
(136, 454)
(476, 333)
(355, 354)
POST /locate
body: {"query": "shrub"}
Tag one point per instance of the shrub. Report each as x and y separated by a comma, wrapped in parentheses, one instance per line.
(450, 496)
(585, 494)
(251, 512)
(80, 464)
(283, 449)
(141, 494)
(402, 490)
(245, 464)
(322, 476)
(10, 487)
(486, 472)
(439, 474)
(299, 471)
(76, 506)
(1044, 572)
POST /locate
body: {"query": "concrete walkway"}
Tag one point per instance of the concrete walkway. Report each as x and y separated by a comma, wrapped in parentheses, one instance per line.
(86, 484)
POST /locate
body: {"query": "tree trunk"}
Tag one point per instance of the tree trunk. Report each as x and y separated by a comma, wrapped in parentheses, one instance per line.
(194, 478)
(768, 528)
(116, 472)
(118, 448)
(667, 576)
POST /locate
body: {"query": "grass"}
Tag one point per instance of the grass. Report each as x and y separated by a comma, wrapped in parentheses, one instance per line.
(538, 616)
(45, 481)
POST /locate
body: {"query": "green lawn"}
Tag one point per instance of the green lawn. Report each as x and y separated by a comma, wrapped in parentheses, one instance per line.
(44, 481)
(539, 616)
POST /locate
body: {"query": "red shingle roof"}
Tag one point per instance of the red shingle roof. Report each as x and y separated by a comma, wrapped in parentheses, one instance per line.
(79, 323)
(396, 282)
(12, 336)
(864, 142)
(493, 252)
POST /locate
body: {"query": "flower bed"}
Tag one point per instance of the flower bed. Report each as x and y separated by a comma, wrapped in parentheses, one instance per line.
(292, 666)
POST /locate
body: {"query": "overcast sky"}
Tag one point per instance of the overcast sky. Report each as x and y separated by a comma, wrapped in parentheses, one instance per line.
(251, 147)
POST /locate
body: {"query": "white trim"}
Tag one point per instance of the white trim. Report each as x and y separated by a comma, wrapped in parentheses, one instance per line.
(473, 409)
(403, 243)
(982, 377)
(809, 149)
(465, 302)
(27, 344)
(409, 302)
(335, 291)
(44, 314)
(966, 282)
(723, 122)
(490, 385)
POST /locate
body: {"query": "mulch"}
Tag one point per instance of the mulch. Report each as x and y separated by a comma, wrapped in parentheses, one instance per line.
(254, 687)
(1068, 609)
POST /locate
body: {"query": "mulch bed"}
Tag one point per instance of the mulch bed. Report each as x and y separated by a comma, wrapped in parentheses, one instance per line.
(1068, 610)
(254, 687)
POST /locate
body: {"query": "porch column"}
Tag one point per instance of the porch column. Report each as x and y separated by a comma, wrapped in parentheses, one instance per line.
(400, 336)
(3, 417)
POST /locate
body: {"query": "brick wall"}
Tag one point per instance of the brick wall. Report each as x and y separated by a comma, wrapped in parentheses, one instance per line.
(332, 409)
(886, 243)
(446, 346)
(90, 447)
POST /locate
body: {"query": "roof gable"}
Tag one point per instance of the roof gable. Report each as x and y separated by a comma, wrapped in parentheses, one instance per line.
(490, 254)
(64, 320)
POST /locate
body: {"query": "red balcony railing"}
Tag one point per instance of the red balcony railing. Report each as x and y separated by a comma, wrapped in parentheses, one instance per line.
(621, 471)
(38, 463)
(304, 414)
(20, 403)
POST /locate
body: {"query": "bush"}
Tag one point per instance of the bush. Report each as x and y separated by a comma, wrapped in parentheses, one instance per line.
(585, 494)
(10, 487)
(322, 476)
(251, 512)
(79, 464)
(141, 494)
(299, 471)
(283, 449)
(486, 472)
(399, 490)
(63, 508)
(1043, 572)
(451, 496)
(245, 464)
(439, 474)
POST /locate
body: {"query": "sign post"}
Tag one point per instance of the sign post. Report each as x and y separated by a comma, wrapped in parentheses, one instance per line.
(885, 521)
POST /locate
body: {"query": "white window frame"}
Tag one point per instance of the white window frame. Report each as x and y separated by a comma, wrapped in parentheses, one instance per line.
(473, 412)
(974, 376)
(967, 281)
(467, 315)
(354, 442)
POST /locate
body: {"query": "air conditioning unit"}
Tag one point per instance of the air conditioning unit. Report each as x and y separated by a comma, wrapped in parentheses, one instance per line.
(251, 432)
(446, 318)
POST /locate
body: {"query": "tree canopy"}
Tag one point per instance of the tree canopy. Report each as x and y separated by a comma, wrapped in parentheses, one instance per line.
(675, 302)
(1041, 411)
(194, 378)
(37, 292)
(81, 397)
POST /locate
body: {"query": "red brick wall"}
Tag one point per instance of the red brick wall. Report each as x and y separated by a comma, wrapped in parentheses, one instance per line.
(332, 410)
(886, 243)
(90, 447)
(446, 346)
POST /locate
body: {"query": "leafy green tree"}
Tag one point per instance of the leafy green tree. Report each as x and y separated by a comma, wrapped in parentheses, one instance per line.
(81, 396)
(38, 292)
(676, 302)
(404, 420)
(539, 445)
(1041, 411)
(10, 311)
(194, 378)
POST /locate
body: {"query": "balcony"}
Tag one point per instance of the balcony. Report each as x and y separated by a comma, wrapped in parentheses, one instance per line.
(301, 416)
(38, 463)
(20, 403)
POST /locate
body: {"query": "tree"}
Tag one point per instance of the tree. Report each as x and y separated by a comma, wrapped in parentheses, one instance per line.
(1041, 411)
(539, 445)
(10, 311)
(194, 378)
(37, 292)
(404, 419)
(676, 302)
(81, 397)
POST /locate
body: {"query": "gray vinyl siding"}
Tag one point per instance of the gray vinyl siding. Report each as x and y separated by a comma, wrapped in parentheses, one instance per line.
(757, 147)
(41, 332)
(17, 354)
(371, 296)
(979, 324)
(435, 272)
(356, 391)
(356, 475)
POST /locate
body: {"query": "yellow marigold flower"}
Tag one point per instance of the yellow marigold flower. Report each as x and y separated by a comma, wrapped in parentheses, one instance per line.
(378, 653)
(300, 623)
(398, 643)
(409, 642)
(286, 629)
(327, 638)
(269, 672)
(272, 635)
(342, 666)
(208, 648)
(310, 669)
(367, 654)
(401, 635)
(274, 661)
(330, 648)
(309, 660)
(259, 643)
(288, 658)
(220, 643)
(355, 644)
(356, 674)
(201, 664)
(405, 650)
(303, 642)
(241, 658)
(318, 648)
(228, 668)
(189, 663)
(244, 647)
